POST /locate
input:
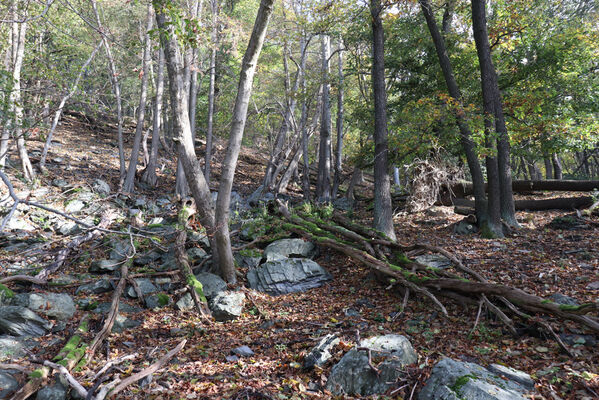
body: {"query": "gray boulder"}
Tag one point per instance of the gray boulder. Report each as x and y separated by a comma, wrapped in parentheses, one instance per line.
(8, 384)
(97, 287)
(284, 248)
(563, 299)
(157, 300)
(185, 303)
(196, 254)
(54, 305)
(320, 354)
(212, 284)
(101, 187)
(74, 206)
(145, 287)
(248, 259)
(11, 347)
(147, 258)
(287, 276)
(21, 321)
(227, 306)
(122, 323)
(104, 266)
(258, 197)
(451, 379)
(120, 250)
(17, 223)
(53, 392)
(354, 376)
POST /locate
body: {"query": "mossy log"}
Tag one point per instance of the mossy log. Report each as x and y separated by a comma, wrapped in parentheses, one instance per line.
(430, 282)
(69, 356)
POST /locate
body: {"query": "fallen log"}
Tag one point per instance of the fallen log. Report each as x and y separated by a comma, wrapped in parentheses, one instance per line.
(464, 188)
(465, 206)
(392, 262)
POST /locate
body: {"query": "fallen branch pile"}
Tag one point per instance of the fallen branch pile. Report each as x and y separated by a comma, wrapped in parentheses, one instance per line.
(463, 285)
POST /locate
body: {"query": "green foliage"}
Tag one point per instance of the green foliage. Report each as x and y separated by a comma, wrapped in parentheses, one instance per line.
(193, 282)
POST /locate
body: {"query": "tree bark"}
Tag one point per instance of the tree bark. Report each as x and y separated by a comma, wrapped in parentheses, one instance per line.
(557, 167)
(116, 89)
(562, 203)
(493, 107)
(323, 182)
(244, 89)
(149, 176)
(339, 156)
(182, 128)
(548, 167)
(383, 212)
(468, 145)
(129, 185)
(465, 188)
(211, 89)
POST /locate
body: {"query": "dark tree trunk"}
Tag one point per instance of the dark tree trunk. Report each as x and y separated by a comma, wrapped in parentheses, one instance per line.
(557, 167)
(465, 133)
(494, 118)
(149, 176)
(383, 212)
(548, 167)
(211, 90)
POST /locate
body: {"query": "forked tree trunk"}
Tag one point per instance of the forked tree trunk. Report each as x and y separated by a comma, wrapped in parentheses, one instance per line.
(244, 89)
(383, 212)
(129, 185)
(182, 128)
(149, 176)
(116, 88)
(493, 109)
(465, 133)
(323, 182)
(339, 157)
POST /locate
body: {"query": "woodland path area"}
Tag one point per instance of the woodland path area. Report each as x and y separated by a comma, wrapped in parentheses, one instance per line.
(542, 258)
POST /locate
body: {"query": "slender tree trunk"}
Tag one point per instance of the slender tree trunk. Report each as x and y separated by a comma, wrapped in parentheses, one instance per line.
(116, 89)
(339, 157)
(465, 134)
(64, 100)
(246, 79)
(149, 176)
(493, 107)
(323, 183)
(383, 211)
(129, 185)
(182, 128)
(8, 61)
(304, 122)
(557, 167)
(16, 99)
(211, 90)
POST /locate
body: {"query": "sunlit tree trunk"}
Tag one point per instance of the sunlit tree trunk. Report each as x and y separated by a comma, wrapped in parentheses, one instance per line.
(557, 167)
(340, 93)
(244, 89)
(211, 89)
(129, 184)
(383, 212)
(323, 182)
(304, 122)
(149, 176)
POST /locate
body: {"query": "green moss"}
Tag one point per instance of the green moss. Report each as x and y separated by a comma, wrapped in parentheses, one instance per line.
(163, 299)
(37, 374)
(250, 253)
(402, 258)
(460, 382)
(568, 307)
(6, 292)
(197, 286)
(546, 301)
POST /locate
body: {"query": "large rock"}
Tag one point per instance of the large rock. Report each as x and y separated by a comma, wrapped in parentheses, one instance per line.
(434, 261)
(212, 284)
(354, 376)
(8, 384)
(53, 392)
(97, 287)
(284, 248)
(11, 348)
(451, 379)
(287, 276)
(227, 306)
(21, 321)
(145, 287)
(101, 187)
(104, 266)
(54, 305)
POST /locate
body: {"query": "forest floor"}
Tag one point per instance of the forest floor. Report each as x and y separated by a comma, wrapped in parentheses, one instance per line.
(537, 258)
